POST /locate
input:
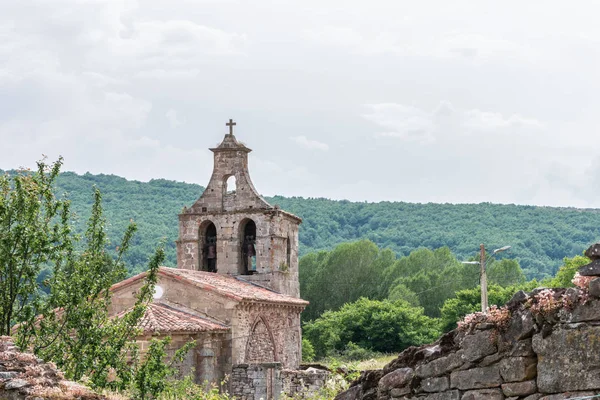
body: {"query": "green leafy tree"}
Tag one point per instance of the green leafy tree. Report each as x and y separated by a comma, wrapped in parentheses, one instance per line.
(155, 373)
(565, 274)
(505, 272)
(432, 276)
(34, 231)
(382, 326)
(73, 327)
(348, 272)
(308, 351)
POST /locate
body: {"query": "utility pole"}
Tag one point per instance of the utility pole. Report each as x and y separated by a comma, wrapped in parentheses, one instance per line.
(483, 280)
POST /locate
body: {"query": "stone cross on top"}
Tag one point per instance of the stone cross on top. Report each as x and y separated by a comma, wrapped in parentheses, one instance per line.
(230, 124)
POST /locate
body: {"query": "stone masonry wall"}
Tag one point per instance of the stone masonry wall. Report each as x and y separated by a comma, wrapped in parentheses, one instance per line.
(543, 345)
(273, 230)
(268, 381)
(283, 325)
(276, 238)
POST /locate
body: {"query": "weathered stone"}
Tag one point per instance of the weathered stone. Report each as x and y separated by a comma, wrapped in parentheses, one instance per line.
(522, 348)
(448, 395)
(593, 252)
(536, 291)
(354, 393)
(585, 312)
(435, 384)
(440, 366)
(534, 396)
(490, 360)
(568, 360)
(521, 326)
(398, 392)
(8, 375)
(595, 287)
(519, 388)
(484, 326)
(517, 369)
(518, 298)
(396, 379)
(483, 394)
(563, 396)
(476, 378)
(479, 345)
(16, 384)
(591, 269)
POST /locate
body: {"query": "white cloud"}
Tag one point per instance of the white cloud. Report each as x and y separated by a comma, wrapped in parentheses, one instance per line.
(485, 120)
(413, 124)
(173, 118)
(404, 122)
(310, 144)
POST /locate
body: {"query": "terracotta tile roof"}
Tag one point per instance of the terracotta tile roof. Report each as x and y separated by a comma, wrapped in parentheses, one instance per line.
(162, 318)
(231, 286)
(225, 285)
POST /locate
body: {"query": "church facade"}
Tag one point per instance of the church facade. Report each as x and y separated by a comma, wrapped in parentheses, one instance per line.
(235, 290)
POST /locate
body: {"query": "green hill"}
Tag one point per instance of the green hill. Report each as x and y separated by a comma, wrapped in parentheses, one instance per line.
(540, 236)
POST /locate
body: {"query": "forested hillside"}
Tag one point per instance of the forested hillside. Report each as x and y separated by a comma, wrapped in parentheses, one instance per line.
(540, 236)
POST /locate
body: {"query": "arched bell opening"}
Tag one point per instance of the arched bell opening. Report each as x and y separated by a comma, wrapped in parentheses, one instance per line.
(208, 247)
(247, 247)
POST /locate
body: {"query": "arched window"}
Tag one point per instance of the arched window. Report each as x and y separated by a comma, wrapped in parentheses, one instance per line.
(248, 247)
(230, 185)
(208, 247)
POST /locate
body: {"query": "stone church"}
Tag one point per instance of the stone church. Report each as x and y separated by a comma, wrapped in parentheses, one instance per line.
(235, 290)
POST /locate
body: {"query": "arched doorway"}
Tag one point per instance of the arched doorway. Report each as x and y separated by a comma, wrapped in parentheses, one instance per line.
(208, 247)
(248, 247)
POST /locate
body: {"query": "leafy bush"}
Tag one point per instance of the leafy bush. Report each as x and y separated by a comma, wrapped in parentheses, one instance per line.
(308, 351)
(382, 326)
(468, 301)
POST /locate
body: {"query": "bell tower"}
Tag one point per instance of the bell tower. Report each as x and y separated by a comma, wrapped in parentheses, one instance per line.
(232, 230)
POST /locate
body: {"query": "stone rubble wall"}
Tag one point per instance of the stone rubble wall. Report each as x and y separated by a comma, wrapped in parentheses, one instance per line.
(543, 350)
(268, 381)
(23, 376)
(303, 384)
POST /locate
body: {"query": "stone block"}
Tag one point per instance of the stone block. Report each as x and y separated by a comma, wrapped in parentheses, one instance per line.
(518, 369)
(483, 394)
(519, 388)
(521, 326)
(440, 366)
(448, 395)
(521, 348)
(399, 392)
(595, 287)
(16, 384)
(589, 311)
(435, 384)
(518, 298)
(476, 378)
(479, 345)
(8, 375)
(395, 379)
(568, 360)
(593, 252)
(563, 396)
(535, 396)
(591, 269)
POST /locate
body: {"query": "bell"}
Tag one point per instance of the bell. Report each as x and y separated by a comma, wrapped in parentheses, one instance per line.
(211, 252)
(250, 251)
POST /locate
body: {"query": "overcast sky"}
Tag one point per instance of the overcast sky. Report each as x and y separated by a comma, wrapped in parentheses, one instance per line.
(420, 101)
